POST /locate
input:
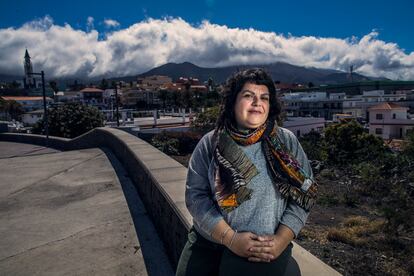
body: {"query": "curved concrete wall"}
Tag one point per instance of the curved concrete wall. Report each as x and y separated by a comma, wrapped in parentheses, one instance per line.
(160, 181)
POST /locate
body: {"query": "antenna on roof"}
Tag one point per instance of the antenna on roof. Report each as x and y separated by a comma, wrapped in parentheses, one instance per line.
(351, 71)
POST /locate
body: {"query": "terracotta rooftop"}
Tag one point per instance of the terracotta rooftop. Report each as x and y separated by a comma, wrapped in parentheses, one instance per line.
(387, 106)
(91, 89)
(23, 98)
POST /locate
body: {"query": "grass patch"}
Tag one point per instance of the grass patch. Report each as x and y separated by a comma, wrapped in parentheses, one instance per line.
(356, 231)
(327, 200)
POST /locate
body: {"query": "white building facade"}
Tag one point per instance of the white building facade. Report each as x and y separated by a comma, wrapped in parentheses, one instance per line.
(389, 121)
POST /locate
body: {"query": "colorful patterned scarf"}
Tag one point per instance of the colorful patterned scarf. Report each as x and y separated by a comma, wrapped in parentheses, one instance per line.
(235, 170)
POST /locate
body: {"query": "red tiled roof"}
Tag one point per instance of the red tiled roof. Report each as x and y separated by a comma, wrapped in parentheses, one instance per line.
(387, 106)
(23, 98)
(91, 89)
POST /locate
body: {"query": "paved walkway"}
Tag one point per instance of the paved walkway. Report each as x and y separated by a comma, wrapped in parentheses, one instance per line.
(72, 213)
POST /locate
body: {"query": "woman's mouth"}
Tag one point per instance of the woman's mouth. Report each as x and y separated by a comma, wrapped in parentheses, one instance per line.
(255, 112)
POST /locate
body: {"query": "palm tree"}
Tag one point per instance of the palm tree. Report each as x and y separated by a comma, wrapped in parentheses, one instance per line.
(14, 109)
(163, 96)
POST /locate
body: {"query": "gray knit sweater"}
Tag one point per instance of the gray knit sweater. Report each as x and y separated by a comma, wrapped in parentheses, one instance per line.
(266, 209)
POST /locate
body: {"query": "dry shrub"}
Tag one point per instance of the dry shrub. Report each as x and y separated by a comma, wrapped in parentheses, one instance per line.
(316, 236)
(356, 231)
(355, 221)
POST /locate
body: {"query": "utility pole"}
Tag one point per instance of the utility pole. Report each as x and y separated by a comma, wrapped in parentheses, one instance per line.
(45, 108)
(45, 115)
(116, 103)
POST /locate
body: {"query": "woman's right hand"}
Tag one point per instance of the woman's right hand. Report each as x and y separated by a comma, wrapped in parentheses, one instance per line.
(243, 241)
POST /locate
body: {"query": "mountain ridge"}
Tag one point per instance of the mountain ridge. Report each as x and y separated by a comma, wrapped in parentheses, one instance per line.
(280, 71)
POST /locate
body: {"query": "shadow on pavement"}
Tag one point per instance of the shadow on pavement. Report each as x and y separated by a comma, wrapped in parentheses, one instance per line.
(155, 258)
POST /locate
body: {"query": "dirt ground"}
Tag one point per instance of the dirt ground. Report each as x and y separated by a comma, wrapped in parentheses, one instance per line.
(345, 258)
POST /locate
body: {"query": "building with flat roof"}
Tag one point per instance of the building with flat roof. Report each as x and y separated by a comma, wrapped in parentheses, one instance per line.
(303, 125)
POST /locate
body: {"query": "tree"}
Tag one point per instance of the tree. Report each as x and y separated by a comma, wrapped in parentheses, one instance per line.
(76, 86)
(15, 109)
(313, 145)
(53, 85)
(163, 96)
(210, 84)
(3, 104)
(187, 97)
(104, 84)
(408, 149)
(11, 108)
(176, 98)
(346, 142)
(15, 85)
(71, 120)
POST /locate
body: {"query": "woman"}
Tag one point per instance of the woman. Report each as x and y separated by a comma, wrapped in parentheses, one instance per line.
(249, 186)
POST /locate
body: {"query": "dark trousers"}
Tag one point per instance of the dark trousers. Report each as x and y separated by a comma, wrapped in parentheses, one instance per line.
(203, 257)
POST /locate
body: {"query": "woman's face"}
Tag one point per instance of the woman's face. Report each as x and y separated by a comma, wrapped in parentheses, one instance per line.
(252, 106)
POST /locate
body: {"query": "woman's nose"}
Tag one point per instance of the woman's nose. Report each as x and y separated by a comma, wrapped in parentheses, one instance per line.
(256, 100)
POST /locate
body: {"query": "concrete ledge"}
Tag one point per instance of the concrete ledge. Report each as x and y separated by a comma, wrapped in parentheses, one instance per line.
(160, 180)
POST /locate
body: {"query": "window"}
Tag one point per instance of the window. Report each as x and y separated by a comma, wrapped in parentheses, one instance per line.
(379, 116)
(378, 131)
(394, 115)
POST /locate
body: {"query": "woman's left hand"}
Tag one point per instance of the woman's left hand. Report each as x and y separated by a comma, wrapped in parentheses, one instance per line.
(272, 249)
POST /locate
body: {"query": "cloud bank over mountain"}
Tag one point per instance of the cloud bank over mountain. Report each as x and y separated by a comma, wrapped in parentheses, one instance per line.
(63, 51)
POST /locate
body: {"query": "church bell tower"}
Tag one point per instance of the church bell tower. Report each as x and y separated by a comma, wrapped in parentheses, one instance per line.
(29, 81)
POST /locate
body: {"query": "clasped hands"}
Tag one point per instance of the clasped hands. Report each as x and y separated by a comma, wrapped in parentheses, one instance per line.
(264, 248)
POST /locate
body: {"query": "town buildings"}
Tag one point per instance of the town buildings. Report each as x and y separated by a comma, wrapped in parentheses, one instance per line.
(326, 105)
(29, 103)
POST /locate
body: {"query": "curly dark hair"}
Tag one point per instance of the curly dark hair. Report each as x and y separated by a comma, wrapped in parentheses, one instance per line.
(234, 86)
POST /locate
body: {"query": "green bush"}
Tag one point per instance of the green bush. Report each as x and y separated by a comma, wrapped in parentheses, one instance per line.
(165, 143)
(347, 143)
(183, 142)
(70, 120)
(313, 145)
(206, 120)
(370, 175)
(408, 148)
(398, 206)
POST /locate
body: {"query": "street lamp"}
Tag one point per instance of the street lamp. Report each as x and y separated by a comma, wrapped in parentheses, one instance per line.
(45, 117)
(116, 103)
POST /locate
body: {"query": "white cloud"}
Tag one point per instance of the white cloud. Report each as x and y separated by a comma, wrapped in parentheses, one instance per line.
(111, 23)
(65, 51)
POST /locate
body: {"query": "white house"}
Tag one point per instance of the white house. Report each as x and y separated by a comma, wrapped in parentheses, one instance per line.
(31, 118)
(68, 96)
(389, 121)
(302, 125)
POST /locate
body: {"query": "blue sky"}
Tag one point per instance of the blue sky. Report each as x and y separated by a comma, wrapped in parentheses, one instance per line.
(376, 37)
(326, 18)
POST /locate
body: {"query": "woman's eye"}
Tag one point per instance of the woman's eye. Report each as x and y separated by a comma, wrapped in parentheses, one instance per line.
(265, 99)
(248, 95)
